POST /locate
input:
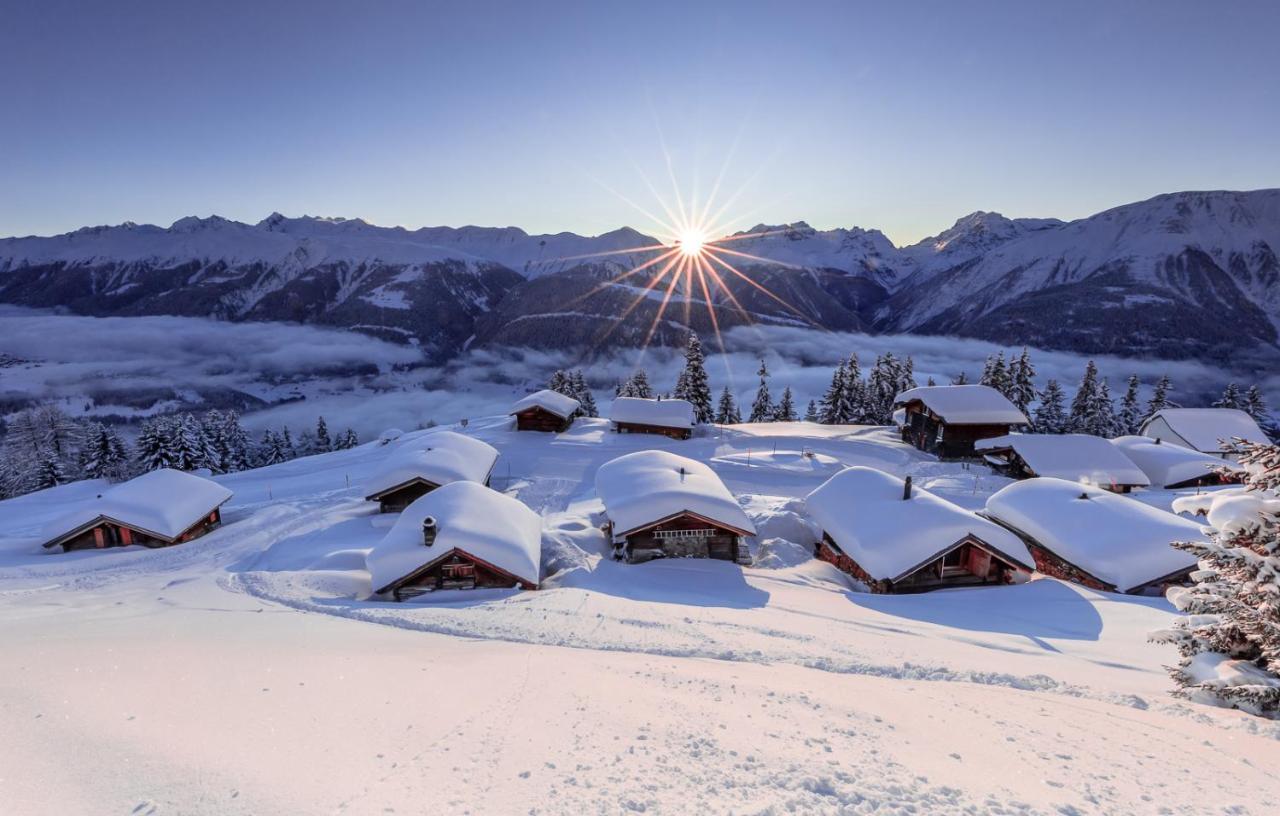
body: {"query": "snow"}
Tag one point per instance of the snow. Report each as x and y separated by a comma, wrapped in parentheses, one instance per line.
(1168, 464)
(862, 509)
(1204, 429)
(666, 413)
(548, 400)
(470, 518)
(1074, 457)
(164, 503)
(1232, 510)
(249, 671)
(966, 404)
(645, 487)
(1115, 538)
(439, 457)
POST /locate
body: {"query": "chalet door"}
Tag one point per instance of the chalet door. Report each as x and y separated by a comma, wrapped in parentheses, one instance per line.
(721, 548)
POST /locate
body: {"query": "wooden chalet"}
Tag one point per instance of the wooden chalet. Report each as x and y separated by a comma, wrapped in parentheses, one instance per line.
(1205, 430)
(157, 509)
(660, 505)
(1173, 466)
(460, 536)
(1075, 457)
(545, 410)
(1096, 538)
(673, 418)
(422, 464)
(946, 420)
(897, 538)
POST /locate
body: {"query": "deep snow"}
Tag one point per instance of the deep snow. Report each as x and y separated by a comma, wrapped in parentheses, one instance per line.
(246, 671)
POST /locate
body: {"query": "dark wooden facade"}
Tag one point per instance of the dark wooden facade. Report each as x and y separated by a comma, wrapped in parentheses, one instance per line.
(1015, 467)
(661, 430)
(685, 535)
(969, 562)
(453, 570)
(1050, 563)
(107, 532)
(537, 418)
(1209, 479)
(931, 433)
(396, 499)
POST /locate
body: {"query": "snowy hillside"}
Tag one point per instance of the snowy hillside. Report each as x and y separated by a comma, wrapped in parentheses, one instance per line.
(248, 671)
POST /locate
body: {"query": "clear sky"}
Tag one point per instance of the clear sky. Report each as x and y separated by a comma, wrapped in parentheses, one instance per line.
(897, 116)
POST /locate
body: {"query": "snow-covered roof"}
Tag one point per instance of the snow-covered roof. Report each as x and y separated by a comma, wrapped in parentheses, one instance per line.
(164, 503)
(1205, 429)
(548, 400)
(862, 509)
(470, 518)
(439, 457)
(1168, 464)
(645, 487)
(966, 404)
(667, 413)
(1074, 457)
(1118, 539)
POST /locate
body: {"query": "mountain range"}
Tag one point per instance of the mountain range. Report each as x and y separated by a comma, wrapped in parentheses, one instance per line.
(1190, 274)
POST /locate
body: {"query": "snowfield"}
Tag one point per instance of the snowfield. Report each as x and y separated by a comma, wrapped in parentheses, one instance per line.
(248, 672)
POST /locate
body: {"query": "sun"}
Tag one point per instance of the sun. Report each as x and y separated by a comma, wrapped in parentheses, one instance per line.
(691, 242)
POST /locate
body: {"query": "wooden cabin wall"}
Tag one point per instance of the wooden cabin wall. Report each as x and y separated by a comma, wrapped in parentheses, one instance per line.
(636, 427)
(723, 545)
(540, 419)
(398, 500)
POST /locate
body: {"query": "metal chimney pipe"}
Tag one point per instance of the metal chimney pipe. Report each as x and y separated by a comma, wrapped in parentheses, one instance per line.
(906, 488)
(429, 529)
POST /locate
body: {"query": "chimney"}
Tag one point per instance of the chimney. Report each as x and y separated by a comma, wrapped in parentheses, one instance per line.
(1157, 440)
(429, 530)
(906, 488)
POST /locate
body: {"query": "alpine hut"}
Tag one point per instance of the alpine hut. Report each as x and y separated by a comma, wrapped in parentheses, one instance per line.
(667, 417)
(460, 536)
(420, 465)
(156, 509)
(948, 419)
(897, 538)
(1095, 538)
(1173, 466)
(1074, 457)
(1202, 429)
(660, 505)
(545, 410)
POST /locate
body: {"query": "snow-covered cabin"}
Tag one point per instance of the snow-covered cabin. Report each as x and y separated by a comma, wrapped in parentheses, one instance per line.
(1202, 429)
(1173, 466)
(896, 538)
(668, 417)
(1074, 457)
(1095, 538)
(662, 505)
(545, 410)
(156, 509)
(460, 536)
(420, 465)
(948, 419)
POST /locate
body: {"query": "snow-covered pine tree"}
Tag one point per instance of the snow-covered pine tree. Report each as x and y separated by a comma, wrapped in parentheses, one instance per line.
(697, 387)
(638, 385)
(762, 409)
(1229, 640)
(907, 375)
(1085, 403)
(103, 454)
(559, 382)
(1230, 397)
(931, 382)
(855, 402)
(785, 411)
(271, 450)
(1051, 415)
(235, 443)
(47, 472)
(996, 374)
(582, 393)
(347, 440)
(306, 443)
(1130, 419)
(323, 443)
(881, 390)
(1106, 423)
(833, 400)
(1255, 405)
(960, 379)
(212, 432)
(1023, 386)
(727, 413)
(189, 449)
(289, 450)
(811, 413)
(1159, 397)
(154, 447)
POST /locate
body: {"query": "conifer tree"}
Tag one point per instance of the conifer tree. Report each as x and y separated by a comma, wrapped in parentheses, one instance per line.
(271, 450)
(1023, 387)
(323, 443)
(882, 390)
(1105, 422)
(1159, 398)
(234, 442)
(347, 440)
(931, 382)
(996, 374)
(154, 447)
(1230, 397)
(190, 451)
(833, 401)
(582, 393)
(1085, 403)
(103, 454)
(212, 432)
(855, 399)
(1255, 405)
(785, 411)
(638, 386)
(48, 472)
(762, 409)
(960, 379)
(1130, 418)
(1051, 416)
(727, 413)
(285, 440)
(306, 443)
(694, 385)
(559, 383)
(811, 413)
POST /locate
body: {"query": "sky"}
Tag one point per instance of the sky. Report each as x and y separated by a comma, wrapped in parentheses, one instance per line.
(562, 116)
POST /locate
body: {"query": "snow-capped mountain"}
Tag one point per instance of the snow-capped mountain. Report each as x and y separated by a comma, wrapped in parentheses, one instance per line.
(1180, 275)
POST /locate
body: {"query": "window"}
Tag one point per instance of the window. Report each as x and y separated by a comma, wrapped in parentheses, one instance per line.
(457, 571)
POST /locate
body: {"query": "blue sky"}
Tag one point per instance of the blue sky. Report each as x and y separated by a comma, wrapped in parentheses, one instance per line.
(546, 116)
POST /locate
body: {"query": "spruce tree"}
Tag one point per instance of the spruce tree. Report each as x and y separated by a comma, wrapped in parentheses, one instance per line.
(638, 386)
(213, 433)
(1085, 403)
(996, 374)
(323, 443)
(347, 440)
(1230, 397)
(285, 441)
(1159, 398)
(1105, 422)
(696, 386)
(786, 408)
(103, 454)
(881, 390)
(1051, 416)
(582, 393)
(727, 413)
(190, 451)
(1229, 640)
(960, 379)
(811, 413)
(762, 408)
(559, 383)
(306, 443)
(235, 443)
(833, 401)
(1023, 387)
(1130, 418)
(272, 451)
